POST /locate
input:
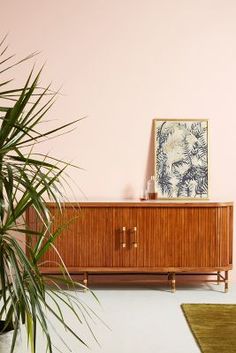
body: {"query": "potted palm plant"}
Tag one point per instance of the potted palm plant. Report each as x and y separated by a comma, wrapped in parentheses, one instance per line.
(26, 180)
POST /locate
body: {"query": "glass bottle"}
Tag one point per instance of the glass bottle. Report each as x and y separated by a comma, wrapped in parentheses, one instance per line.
(152, 188)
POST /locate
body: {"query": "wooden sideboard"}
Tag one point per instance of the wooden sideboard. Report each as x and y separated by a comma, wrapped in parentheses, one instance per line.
(143, 237)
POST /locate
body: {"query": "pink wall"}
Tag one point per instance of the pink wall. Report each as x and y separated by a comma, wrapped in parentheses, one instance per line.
(124, 62)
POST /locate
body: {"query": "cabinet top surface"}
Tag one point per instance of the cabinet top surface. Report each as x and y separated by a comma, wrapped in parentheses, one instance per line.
(151, 203)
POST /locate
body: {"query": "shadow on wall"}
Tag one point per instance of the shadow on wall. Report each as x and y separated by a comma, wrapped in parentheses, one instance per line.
(129, 191)
(150, 170)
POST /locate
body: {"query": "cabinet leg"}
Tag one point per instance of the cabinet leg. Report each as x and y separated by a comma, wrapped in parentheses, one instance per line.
(218, 277)
(173, 286)
(226, 281)
(85, 280)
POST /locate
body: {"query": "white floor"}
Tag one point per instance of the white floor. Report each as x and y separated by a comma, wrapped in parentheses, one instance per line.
(141, 319)
(147, 319)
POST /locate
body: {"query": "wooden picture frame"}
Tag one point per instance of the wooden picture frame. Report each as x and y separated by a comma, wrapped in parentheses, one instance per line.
(181, 158)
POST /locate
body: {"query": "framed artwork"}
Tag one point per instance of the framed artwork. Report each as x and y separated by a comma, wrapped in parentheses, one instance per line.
(181, 158)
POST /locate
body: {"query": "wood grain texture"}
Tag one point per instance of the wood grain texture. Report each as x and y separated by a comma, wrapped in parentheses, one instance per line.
(170, 237)
(127, 256)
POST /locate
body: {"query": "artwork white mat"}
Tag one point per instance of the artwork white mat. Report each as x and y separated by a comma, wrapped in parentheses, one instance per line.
(181, 158)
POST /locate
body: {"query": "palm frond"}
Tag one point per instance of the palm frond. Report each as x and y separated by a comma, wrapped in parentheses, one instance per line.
(27, 178)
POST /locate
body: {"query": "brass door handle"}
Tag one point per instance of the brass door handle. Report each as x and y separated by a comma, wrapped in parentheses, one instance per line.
(134, 237)
(123, 237)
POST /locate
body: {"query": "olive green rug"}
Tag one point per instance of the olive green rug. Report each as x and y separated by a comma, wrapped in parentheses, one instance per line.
(213, 326)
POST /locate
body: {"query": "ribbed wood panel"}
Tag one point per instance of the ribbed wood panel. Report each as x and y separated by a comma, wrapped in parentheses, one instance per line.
(201, 247)
(156, 238)
(123, 256)
(225, 235)
(230, 211)
(86, 241)
(192, 237)
(179, 237)
(93, 240)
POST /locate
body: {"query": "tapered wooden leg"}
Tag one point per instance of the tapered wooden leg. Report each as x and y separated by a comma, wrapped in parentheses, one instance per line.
(173, 287)
(218, 277)
(85, 280)
(226, 281)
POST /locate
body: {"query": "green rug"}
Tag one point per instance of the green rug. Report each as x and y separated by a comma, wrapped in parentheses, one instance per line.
(213, 326)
